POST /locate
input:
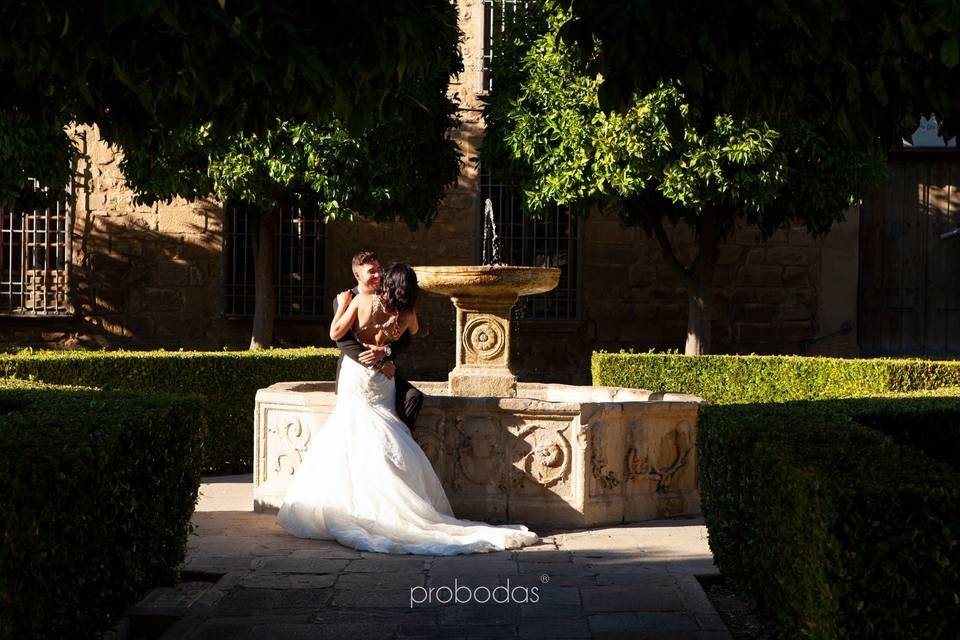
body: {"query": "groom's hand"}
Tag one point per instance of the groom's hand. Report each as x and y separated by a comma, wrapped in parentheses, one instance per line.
(389, 369)
(372, 355)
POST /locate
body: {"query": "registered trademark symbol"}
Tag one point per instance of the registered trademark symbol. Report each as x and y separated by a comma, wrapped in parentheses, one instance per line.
(544, 578)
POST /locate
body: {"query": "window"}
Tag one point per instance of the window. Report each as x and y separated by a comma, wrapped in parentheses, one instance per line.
(298, 269)
(494, 20)
(553, 241)
(34, 259)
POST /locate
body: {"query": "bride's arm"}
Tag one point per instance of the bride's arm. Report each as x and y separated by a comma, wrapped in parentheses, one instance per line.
(344, 319)
(413, 325)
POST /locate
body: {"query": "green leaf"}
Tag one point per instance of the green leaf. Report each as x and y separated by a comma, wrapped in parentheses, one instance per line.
(950, 52)
(878, 86)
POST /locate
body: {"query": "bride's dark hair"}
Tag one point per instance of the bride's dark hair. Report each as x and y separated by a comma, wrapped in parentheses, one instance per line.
(399, 282)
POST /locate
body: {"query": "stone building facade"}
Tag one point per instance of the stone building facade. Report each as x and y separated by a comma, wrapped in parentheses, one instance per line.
(155, 276)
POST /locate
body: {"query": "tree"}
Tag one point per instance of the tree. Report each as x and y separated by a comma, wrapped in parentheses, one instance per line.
(143, 68)
(397, 169)
(656, 160)
(871, 67)
(262, 102)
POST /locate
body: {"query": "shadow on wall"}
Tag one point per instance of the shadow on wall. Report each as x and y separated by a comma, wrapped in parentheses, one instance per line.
(147, 277)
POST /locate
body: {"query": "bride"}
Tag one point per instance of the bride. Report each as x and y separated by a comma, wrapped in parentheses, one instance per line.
(364, 480)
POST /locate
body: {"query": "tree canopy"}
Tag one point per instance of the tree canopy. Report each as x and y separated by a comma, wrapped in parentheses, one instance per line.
(148, 67)
(656, 159)
(397, 168)
(870, 67)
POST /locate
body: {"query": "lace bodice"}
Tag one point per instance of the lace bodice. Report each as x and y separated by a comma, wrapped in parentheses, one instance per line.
(389, 327)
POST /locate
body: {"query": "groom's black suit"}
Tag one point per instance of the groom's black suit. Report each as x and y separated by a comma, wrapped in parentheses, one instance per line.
(409, 398)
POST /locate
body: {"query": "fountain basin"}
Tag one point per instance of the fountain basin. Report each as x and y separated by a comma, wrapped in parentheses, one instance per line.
(490, 281)
(557, 455)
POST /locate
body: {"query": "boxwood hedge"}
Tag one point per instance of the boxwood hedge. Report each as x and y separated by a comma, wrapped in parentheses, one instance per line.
(738, 379)
(830, 487)
(228, 380)
(836, 529)
(96, 493)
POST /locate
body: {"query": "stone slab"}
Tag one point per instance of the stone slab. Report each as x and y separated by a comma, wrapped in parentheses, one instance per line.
(608, 582)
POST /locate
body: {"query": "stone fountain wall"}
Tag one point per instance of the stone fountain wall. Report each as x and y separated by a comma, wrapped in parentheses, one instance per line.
(562, 456)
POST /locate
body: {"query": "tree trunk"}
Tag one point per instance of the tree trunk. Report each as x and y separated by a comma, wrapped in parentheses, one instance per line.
(698, 277)
(265, 296)
(700, 285)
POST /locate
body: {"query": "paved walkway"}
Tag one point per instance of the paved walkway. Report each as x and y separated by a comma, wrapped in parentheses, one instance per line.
(632, 581)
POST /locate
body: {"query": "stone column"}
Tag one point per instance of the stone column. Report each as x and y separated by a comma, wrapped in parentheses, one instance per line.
(483, 348)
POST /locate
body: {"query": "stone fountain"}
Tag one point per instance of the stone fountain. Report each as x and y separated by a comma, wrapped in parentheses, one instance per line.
(540, 454)
(484, 297)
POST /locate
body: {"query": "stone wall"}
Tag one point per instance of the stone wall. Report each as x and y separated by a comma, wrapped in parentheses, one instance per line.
(141, 276)
(152, 276)
(765, 292)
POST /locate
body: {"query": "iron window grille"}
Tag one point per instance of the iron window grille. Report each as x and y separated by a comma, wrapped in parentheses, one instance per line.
(495, 13)
(298, 270)
(35, 246)
(550, 241)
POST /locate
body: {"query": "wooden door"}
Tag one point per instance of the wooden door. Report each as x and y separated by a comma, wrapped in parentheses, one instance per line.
(909, 298)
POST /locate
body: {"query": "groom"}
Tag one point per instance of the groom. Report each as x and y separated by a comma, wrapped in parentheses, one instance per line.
(366, 269)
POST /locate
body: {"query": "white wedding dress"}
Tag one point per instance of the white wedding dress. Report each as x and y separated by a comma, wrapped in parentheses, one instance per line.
(366, 483)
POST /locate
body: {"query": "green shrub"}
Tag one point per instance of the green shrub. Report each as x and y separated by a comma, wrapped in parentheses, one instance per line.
(835, 529)
(229, 381)
(834, 510)
(96, 494)
(739, 379)
(932, 427)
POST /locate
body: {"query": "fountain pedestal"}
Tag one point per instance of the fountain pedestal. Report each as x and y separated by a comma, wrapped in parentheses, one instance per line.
(484, 297)
(483, 349)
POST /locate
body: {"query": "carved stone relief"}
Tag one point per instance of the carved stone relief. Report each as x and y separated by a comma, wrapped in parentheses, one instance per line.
(291, 438)
(479, 455)
(542, 455)
(662, 464)
(429, 435)
(605, 478)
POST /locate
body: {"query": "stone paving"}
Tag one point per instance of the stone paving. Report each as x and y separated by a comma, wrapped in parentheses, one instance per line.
(631, 581)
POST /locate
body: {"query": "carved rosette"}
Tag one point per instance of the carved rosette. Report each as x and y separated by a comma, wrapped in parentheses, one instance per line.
(484, 338)
(293, 440)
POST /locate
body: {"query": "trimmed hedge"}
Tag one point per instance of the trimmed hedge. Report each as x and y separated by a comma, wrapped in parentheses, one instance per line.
(838, 512)
(932, 427)
(96, 494)
(835, 529)
(229, 380)
(739, 379)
